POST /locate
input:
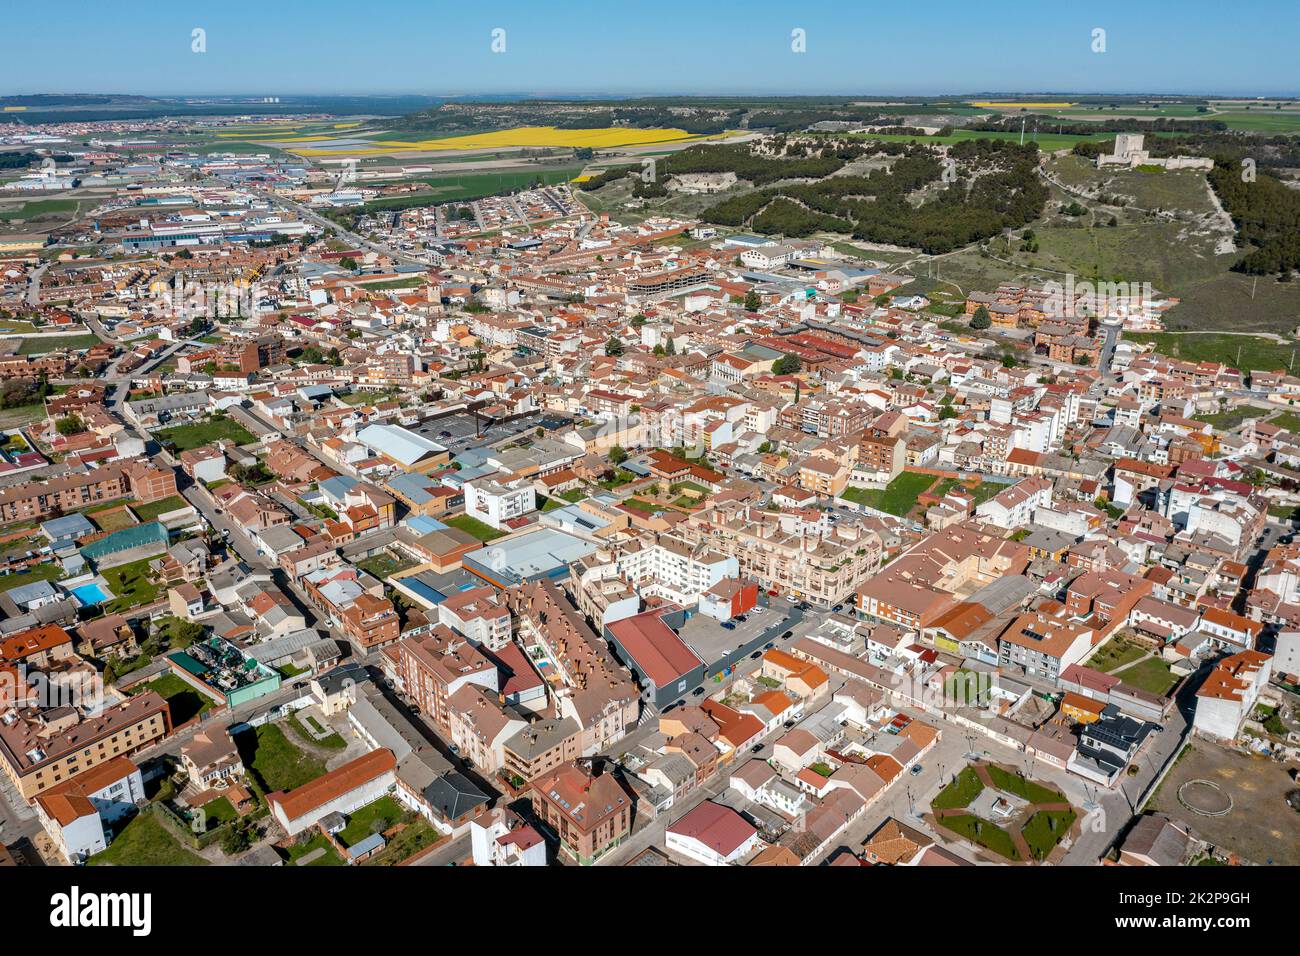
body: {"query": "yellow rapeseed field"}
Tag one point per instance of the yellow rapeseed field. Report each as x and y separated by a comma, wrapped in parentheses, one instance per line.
(604, 138)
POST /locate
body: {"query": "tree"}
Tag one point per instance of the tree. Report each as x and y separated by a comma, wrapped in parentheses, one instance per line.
(659, 350)
(752, 301)
(981, 319)
(786, 365)
(1009, 361)
(70, 425)
(947, 412)
(764, 448)
(238, 838)
(613, 346)
(670, 348)
(348, 263)
(617, 455)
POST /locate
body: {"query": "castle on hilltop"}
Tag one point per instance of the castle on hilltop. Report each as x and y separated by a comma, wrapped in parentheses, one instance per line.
(1129, 152)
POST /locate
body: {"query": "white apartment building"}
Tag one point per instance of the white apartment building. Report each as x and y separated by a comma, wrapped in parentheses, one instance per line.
(496, 504)
(1228, 695)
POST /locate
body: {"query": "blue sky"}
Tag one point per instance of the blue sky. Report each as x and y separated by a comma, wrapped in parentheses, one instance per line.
(658, 46)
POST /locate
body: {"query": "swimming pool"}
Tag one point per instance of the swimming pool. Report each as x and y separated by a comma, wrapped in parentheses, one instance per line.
(88, 594)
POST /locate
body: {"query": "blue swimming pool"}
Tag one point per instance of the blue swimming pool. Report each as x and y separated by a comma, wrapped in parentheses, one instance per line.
(88, 594)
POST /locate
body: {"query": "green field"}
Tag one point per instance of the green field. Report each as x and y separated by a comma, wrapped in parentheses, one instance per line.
(372, 818)
(1246, 352)
(57, 342)
(471, 525)
(184, 702)
(40, 207)
(146, 842)
(195, 434)
(130, 585)
(896, 498)
(1152, 675)
(153, 509)
(45, 571)
(1114, 654)
(275, 761)
(1261, 121)
(393, 284)
(319, 842)
(1228, 420)
(1288, 420)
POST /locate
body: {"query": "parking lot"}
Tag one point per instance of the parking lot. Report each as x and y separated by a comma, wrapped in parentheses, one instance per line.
(465, 430)
(721, 647)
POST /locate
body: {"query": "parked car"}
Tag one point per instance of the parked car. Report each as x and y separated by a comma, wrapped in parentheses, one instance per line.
(697, 692)
(768, 646)
(757, 748)
(916, 769)
(728, 625)
(755, 656)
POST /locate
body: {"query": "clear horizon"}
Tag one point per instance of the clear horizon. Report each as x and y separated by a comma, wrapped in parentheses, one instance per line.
(669, 48)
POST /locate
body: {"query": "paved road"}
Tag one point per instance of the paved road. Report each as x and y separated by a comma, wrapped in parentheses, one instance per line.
(34, 285)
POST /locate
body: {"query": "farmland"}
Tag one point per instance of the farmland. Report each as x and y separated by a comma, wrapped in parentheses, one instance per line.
(517, 138)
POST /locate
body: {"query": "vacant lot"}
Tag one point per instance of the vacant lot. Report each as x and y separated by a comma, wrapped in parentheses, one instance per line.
(1246, 352)
(1260, 826)
(39, 346)
(897, 498)
(185, 437)
(471, 525)
(184, 702)
(146, 842)
(155, 508)
(385, 564)
(1152, 675)
(1116, 653)
(277, 763)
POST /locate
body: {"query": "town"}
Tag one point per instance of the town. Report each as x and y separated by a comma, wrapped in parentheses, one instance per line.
(563, 512)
